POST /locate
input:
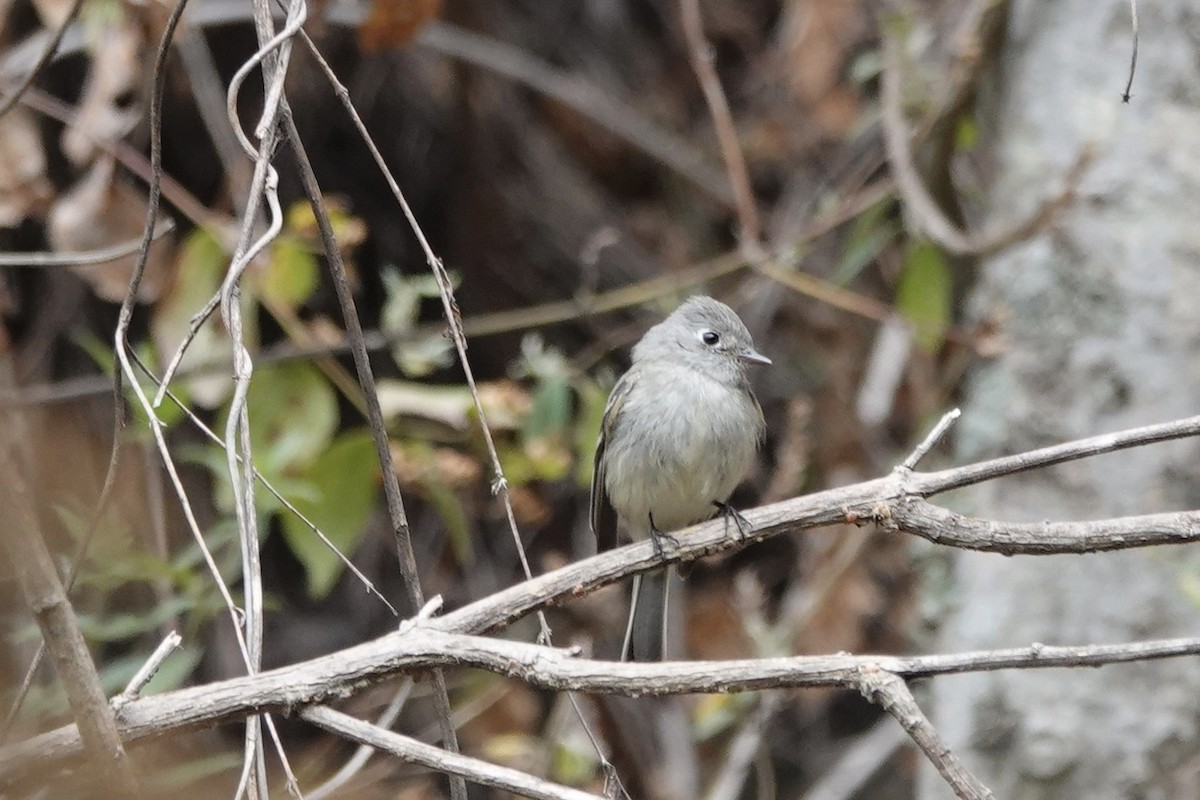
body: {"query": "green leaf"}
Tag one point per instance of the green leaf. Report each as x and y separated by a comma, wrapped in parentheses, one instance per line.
(572, 764)
(592, 399)
(416, 356)
(923, 295)
(346, 479)
(966, 133)
(117, 672)
(116, 627)
(551, 409)
(872, 231)
(293, 416)
(449, 508)
(290, 275)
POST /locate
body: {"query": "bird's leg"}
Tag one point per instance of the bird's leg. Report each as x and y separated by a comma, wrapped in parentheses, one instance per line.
(657, 538)
(740, 522)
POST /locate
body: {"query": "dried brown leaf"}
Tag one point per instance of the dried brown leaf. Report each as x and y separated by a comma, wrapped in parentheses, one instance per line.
(99, 212)
(24, 189)
(113, 72)
(395, 23)
(816, 40)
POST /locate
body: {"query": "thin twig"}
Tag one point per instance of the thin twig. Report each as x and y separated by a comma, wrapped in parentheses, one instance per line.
(744, 748)
(931, 440)
(366, 377)
(273, 53)
(133, 160)
(140, 678)
(926, 215)
(454, 322)
(750, 228)
(955, 478)
(287, 504)
(597, 105)
(87, 257)
(1125, 95)
(408, 749)
(205, 82)
(554, 312)
(43, 59)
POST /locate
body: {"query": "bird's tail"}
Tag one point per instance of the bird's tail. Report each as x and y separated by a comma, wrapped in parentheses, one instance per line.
(647, 628)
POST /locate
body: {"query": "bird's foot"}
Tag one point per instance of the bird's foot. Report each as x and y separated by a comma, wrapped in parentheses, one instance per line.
(740, 522)
(657, 538)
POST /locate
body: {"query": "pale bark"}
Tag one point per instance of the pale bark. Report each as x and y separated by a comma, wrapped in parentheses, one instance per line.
(1102, 333)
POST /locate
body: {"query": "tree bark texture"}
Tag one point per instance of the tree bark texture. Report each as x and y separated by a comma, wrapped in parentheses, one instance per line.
(1102, 333)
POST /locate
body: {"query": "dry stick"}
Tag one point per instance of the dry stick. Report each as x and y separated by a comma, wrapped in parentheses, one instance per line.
(497, 322)
(364, 752)
(890, 692)
(43, 59)
(932, 483)
(86, 258)
(121, 343)
(855, 503)
(47, 600)
(422, 647)
(343, 672)
(124, 319)
(743, 749)
(366, 378)
(273, 53)
(454, 322)
(750, 233)
(926, 214)
(146, 672)
(207, 89)
(932, 438)
(915, 516)
(1125, 95)
(409, 749)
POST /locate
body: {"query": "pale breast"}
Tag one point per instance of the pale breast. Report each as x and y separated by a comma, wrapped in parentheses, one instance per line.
(683, 442)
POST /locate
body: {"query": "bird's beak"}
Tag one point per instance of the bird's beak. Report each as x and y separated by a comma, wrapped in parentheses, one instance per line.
(753, 356)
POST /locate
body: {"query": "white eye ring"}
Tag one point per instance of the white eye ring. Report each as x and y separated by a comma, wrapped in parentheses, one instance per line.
(710, 338)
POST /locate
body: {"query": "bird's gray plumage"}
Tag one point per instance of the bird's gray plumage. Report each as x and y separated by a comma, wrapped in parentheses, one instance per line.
(680, 431)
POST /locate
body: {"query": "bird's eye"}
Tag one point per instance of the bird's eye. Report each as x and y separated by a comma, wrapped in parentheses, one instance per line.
(710, 338)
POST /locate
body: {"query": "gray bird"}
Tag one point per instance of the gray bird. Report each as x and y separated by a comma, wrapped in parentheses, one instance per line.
(680, 431)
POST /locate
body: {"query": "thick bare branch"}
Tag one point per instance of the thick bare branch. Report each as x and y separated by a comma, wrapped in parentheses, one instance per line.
(916, 516)
(423, 647)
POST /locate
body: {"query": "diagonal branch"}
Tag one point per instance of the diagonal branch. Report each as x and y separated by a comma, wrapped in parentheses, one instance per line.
(701, 54)
(409, 749)
(926, 214)
(47, 600)
(891, 693)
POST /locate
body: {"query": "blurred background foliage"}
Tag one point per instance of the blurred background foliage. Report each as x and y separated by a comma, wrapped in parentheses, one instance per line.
(568, 232)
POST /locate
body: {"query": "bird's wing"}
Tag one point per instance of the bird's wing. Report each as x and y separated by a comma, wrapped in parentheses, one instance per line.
(603, 515)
